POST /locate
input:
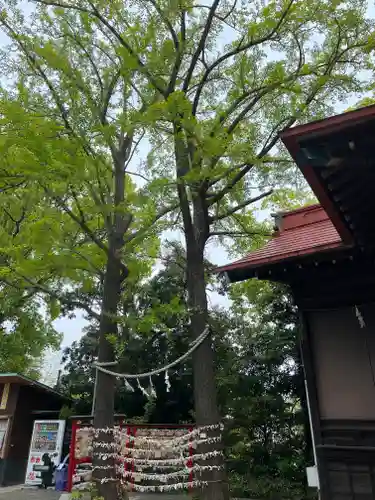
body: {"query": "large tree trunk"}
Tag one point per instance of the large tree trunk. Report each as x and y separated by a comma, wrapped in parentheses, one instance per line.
(196, 227)
(115, 274)
(205, 393)
(105, 384)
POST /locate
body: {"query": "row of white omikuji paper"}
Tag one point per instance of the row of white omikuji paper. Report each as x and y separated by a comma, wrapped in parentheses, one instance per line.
(154, 449)
(103, 448)
(149, 489)
(154, 435)
(136, 476)
(162, 478)
(155, 440)
(143, 463)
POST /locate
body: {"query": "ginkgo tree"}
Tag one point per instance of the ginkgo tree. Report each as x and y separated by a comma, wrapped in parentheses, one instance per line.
(70, 209)
(26, 334)
(206, 86)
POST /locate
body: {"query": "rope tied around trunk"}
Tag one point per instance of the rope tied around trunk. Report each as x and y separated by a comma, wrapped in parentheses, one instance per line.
(101, 366)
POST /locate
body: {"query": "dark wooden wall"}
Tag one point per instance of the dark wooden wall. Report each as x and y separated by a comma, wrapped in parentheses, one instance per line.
(347, 455)
(20, 438)
(23, 400)
(8, 412)
(344, 355)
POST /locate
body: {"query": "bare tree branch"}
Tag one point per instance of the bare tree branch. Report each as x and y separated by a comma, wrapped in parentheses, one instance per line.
(201, 44)
(242, 205)
(167, 22)
(130, 157)
(238, 50)
(95, 13)
(268, 145)
(16, 222)
(80, 221)
(107, 96)
(157, 217)
(239, 234)
(89, 262)
(8, 187)
(37, 285)
(73, 36)
(78, 205)
(260, 92)
(176, 68)
(222, 17)
(230, 170)
(183, 25)
(182, 167)
(104, 52)
(136, 174)
(139, 94)
(230, 12)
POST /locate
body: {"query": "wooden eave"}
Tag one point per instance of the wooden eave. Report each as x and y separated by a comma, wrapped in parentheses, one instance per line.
(336, 158)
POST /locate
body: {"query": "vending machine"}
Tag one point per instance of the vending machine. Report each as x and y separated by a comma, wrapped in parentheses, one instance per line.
(47, 437)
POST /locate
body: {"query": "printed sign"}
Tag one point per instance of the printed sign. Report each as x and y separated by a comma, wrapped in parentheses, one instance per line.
(48, 438)
(3, 433)
(5, 397)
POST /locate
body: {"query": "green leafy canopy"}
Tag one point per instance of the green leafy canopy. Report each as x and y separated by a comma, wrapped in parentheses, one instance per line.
(90, 75)
(25, 334)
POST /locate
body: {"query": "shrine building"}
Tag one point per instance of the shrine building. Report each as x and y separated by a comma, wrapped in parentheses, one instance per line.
(22, 401)
(326, 254)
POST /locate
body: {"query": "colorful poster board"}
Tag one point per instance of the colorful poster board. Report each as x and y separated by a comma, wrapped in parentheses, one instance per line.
(3, 434)
(48, 438)
(5, 397)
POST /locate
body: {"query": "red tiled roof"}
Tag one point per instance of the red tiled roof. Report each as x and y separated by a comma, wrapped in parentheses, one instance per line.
(302, 232)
